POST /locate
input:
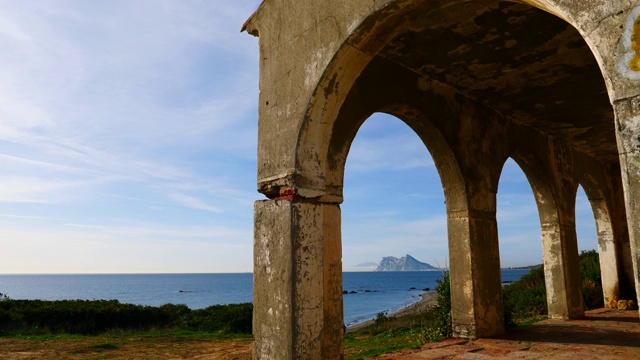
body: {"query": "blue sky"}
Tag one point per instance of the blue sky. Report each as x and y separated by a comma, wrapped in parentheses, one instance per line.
(128, 144)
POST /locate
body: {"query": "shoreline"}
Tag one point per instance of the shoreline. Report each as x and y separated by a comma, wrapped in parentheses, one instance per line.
(427, 301)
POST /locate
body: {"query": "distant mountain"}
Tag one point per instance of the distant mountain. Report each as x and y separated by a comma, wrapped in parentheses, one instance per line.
(367, 264)
(406, 263)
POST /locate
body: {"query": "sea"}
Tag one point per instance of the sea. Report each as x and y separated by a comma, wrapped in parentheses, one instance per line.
(368, 293)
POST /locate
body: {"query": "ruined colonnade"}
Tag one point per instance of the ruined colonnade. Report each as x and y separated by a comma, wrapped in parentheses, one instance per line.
(552, 84)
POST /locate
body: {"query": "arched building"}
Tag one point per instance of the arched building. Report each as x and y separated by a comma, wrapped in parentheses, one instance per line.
(553, 84)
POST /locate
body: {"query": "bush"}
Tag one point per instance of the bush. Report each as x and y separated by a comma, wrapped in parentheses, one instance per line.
(100, 316)
(381, 319)
(231, 319)
(591, 279)
(439, 328)
(526, 298)
(525, 301)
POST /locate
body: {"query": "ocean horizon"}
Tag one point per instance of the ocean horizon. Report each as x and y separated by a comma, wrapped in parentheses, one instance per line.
(368, 293)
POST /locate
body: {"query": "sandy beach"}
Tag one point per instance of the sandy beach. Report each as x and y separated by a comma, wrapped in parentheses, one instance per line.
(429, 299)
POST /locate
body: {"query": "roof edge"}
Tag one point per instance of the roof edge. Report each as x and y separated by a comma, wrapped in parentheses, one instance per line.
(249, 26)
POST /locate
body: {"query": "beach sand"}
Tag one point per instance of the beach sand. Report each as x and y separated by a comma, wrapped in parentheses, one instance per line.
(429, 299)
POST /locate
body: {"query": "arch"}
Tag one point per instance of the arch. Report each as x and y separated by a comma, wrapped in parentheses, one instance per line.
(526, 230)
(585, 222)
(600, 240)
(354, 55)
(340, 103)
(564, 298)
(444, 113)
(444, 159)
(543, 192)
(610, 240)
(394, 203)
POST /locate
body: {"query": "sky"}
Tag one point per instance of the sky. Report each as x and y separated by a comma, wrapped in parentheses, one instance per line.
(128, 135)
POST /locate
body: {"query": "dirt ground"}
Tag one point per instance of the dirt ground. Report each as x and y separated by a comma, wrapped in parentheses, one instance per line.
(120, 348)
(601, 334)
(126, 348)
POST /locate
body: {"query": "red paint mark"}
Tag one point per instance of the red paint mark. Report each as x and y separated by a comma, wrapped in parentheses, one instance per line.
(288, 194)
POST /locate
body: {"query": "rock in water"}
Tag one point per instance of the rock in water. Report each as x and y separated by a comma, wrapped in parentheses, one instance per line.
(406, 263)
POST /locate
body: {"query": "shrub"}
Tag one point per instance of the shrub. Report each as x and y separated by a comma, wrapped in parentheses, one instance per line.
(439, 328)
(231, 319)
(591, 279)
(526, 298)
(99, 316)
(381, 318)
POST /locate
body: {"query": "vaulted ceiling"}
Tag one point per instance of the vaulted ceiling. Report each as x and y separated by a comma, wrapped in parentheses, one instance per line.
(521, 61)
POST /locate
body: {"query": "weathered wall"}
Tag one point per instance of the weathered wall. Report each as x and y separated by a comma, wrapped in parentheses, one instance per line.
(298, 39)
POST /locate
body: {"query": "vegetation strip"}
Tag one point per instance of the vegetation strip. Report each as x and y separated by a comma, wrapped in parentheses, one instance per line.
(117, 324)
(92, 317)
(525, 302)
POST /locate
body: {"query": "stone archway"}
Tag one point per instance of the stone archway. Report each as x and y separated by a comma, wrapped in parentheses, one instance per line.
(559, 242)
(487, 78)
(603, 189)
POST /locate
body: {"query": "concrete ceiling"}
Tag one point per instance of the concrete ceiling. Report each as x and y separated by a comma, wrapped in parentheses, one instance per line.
(516, 59)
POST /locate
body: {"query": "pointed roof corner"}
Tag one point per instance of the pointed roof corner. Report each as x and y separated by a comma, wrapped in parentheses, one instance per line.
(249, 26)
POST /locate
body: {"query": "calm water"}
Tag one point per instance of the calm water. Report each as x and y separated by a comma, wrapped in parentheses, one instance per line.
(375, 291)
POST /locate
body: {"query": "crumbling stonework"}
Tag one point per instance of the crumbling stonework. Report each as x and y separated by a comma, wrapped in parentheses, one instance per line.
(552, 84)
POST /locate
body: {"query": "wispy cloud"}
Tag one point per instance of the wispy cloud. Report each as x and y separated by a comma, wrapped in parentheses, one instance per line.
(143, 110)
(128, 139)
(151, 248)
(195, 203)
(36, 190)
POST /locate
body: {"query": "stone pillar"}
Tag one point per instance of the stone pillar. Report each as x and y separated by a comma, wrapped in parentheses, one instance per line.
(556, 206)
(618, 218)
(561, 270)
(476, 290)
(297, 281)
(628, 137)
(607, 250)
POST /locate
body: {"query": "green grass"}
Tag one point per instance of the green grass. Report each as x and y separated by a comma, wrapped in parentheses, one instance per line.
(525, 303)
(104, 346)
(390, 334)
(43, 337)
(364, 346)
(156, 334)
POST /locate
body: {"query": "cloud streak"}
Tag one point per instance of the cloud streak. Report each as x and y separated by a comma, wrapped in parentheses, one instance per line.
(129, 112)
(128, 140)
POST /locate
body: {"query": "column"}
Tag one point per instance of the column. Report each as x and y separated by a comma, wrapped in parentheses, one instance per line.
(628, 138)
(607, 251)
(562, 270)
(476, 290)
(297, 281)
(618, 217)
